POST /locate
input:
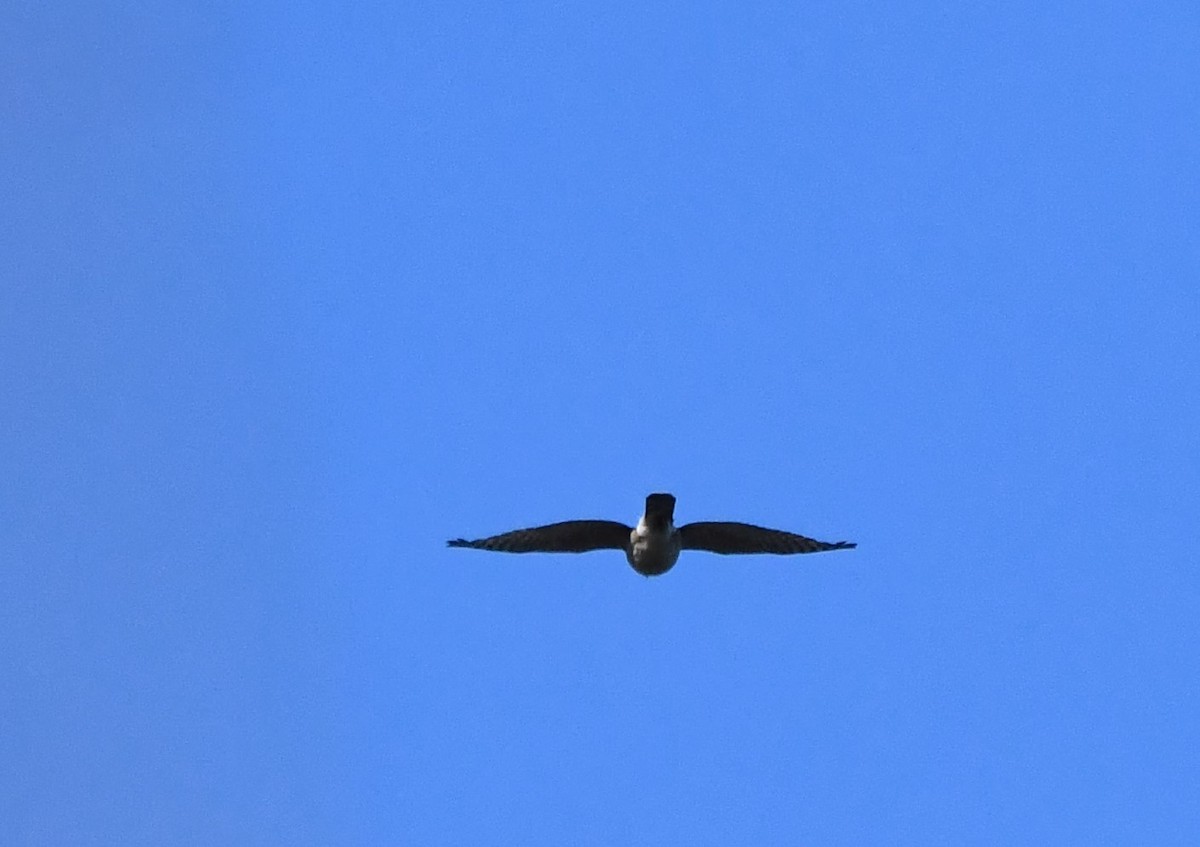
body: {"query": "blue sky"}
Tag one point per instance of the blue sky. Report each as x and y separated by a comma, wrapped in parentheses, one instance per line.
(291, 295)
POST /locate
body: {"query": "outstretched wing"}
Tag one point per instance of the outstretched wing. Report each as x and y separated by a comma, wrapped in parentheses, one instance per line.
(725, 538)
(565, 537)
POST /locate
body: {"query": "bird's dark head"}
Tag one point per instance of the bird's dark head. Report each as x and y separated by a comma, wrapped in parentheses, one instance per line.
(660, 510)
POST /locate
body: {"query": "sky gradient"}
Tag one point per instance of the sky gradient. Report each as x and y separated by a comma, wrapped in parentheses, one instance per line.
(291, 295)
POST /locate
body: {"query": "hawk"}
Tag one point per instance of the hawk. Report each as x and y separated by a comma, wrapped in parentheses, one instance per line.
(652, 547)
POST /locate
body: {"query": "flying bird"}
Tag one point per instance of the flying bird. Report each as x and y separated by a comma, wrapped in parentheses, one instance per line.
(652, 547)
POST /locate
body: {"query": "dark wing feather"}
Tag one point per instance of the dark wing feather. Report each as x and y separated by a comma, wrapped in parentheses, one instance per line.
(565, 537)
(725, 537)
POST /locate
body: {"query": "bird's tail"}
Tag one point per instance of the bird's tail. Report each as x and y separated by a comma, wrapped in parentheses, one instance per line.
(660, 510)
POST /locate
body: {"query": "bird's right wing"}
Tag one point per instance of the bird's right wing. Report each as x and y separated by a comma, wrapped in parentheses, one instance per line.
(565, 537)
(726, 537)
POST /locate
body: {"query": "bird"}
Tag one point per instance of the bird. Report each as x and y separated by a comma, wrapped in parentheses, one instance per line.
(653, 546)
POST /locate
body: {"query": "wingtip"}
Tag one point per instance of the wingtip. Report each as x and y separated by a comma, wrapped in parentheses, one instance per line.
(457, 542)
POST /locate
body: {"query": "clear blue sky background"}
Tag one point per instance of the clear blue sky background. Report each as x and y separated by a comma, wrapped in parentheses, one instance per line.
(291, 295)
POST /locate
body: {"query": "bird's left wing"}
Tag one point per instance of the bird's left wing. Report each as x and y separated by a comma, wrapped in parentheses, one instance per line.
(727, 537)
(565, 537)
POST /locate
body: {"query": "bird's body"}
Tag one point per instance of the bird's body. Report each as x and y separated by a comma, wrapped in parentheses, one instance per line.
(653, 546)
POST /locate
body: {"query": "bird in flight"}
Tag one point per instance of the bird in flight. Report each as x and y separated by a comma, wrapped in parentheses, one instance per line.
(652, 547)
